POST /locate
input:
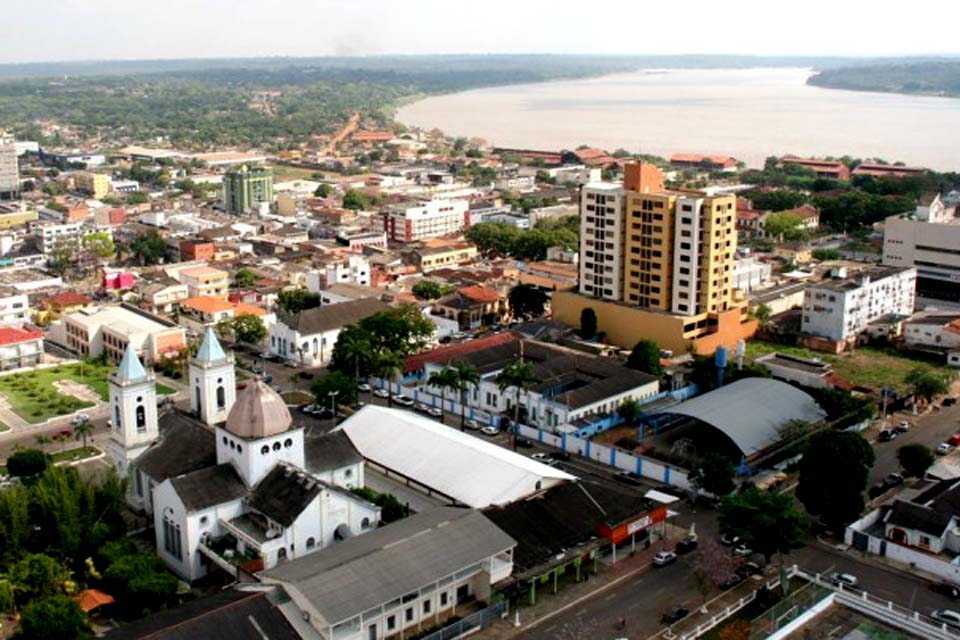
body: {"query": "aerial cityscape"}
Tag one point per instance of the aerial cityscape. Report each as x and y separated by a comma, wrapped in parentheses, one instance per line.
(353, 321)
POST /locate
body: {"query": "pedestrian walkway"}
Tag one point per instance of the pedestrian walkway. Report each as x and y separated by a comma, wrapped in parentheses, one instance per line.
(550, 605)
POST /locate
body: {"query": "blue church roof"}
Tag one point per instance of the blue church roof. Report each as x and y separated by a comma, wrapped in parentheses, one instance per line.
(210, 351)
(130, 369)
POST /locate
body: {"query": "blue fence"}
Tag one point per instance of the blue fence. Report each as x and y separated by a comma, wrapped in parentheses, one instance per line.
(475, 621)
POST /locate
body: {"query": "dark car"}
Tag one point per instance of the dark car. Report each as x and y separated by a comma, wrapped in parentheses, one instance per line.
(524, 443)
(948, 589)
(675, 614)
(686, 546)
(748, 569)
(560, 456)
(628, 477)
(949, 402)
(266, 378)
(887, 435)
(730, 582)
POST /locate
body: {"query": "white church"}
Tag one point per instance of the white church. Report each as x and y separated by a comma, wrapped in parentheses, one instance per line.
(233, 472)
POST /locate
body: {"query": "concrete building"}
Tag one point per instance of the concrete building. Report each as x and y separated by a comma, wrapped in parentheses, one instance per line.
(928, 239)
(934, 330)
(9, 168)
(205, 281)
(161, 293)
(95, 330)
(191, 250)
(308, 337)
(428, 219)
(96, 185)
(833, 169)
(354, 269)
(246, 188)
(840, 308)
(339, 293)
(447, 255)
(602, 232)
(15, 214)
(21, 345)
(14, 306)
(51, 235)
(750, 274)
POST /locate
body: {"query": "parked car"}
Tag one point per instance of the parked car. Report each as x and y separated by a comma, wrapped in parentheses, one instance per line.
(544, 458)
(948, 589)
(844, 579)
(944, 448)
(675, 614)
(903, 427)
(742, 550)
(887, 435)
(471, 424)
(954, 439)
(403, 400)
(893, 480)
(523, 443)
(310, 409)
(560, 456)
(435, 412)
(266, 378)
(663, 558)
(80, 417)
(730, 582)
(748, 569)
(490, 430)
(628, 477)
(381, 393)
(949, 402)
(421, 407)
(947, 616)
(686, 546)
(363, 386)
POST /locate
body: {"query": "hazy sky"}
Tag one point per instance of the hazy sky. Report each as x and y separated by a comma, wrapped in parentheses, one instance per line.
(44, 30)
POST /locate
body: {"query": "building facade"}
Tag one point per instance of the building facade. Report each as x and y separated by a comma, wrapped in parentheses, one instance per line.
(602, 208)
(928, 239)
(245, 188)
(9, 168)
(429, 219)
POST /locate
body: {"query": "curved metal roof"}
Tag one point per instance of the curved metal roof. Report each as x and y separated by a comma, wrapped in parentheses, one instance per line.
(752, 411)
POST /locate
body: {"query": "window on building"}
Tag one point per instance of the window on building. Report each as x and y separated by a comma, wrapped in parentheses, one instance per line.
(426, 607)
(444, 598)
(141, 419)
(116, 416)
(221, 398)
(171, 538)
(391, 623)
(276, 446)
(311, 543)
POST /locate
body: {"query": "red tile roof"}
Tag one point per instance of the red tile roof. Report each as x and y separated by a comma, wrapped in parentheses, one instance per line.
(479, 294)
(67, 299)
(699, 158)
(445, 355)
(16, 335)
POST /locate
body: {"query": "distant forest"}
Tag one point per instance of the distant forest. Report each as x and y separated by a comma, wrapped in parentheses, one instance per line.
(934, 77)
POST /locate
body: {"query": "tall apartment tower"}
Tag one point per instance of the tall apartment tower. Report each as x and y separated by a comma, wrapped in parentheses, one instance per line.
(246, 188)
(9, 168)
(602, 240)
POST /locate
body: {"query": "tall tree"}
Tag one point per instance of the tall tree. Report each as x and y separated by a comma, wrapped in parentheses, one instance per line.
(767, 522)
(714, 475)
(353, 353)
(925, 383)
(629, 409)
(526, 299)
(588, 323)
(833, 476)
(148, 248)
(334, 385)
(915, 459)
(294, 301)
(444, 379)
(467, 376)
(82, 431)
(402, 329)
(248, 328)
(245, 277)
(518, 376)
(645, 357)
(388, 366)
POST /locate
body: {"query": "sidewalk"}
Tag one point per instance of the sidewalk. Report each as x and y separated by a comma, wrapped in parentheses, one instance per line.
(571, 595)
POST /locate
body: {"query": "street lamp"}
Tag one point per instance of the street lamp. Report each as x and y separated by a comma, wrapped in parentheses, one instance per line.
(333, 397)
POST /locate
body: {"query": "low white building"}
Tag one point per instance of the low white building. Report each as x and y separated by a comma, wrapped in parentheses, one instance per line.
(402, 578)
(934, 330)
(14, 306)
(840, 308)
(355, 269)
(309, 336)
(52, 235)
(750, 274)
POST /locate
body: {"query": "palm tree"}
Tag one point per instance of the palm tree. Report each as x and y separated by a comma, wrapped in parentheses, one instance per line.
(467, 376)
(355, 351)
(518, 376)
(388, 366)
(83, 429)
(444, 379)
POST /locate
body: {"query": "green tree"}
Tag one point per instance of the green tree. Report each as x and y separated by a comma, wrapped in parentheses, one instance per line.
(833, 476)
(248, 328)
(762, 313)
(137, 197)
(98, 246)
(715, 475)
(353, 352)
(588, 323)
(293, 301)
(139, 581)
(37, 575)
(54, 617)
(518, 376)
(493, 238)
(245, 277)
(926, 384)
(26, 462)
(334, 383)
(785, 225)
(645, 357)
(402, 329)
(767, 522)
(148, 248)
(7, 597)
(388, 365)
(356, 200)
(430, 290)
(775, 200)
(629, 409)
(915, 459)
(527, 300)
(467, 377)
(323, 190)
(444, 379)
(825, 254)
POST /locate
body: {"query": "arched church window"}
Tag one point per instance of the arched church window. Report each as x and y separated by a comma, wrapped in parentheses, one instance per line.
(264, 450)
(288, 443)
(221, 397)
(116, 416)
(276, 446)
(141, 418)
(311, 543)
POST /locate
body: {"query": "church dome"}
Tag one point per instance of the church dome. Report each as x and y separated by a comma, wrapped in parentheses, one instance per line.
(259, 412)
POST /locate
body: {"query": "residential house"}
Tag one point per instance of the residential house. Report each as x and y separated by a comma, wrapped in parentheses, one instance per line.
(160, 293)
(473, 306)
(205, 281)
(21, 345)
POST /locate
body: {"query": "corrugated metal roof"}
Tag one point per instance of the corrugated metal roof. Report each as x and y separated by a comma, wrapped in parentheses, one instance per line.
(752, 411)
(470, 470)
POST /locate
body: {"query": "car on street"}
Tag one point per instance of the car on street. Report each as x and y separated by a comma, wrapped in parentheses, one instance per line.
(844, 579)
(903, 427)
(730, 582)
(887, 435)
(490, 430)
(628, 477)
(954, 439)
(944, 448)
(80, 417)
(544, 458)
(686, 546)
(560, 456)
(435, 412)
(422, 407)
(266, 378)
(748, 569)
(363, 386)
(945, 588)
(523, 443)
(949, 402)
(893, 480)
(403, 400)
(310, 409)
(381, 393)
(742, 550)
(947, 616)
(675, 614)
(471, 424)
(663, 558)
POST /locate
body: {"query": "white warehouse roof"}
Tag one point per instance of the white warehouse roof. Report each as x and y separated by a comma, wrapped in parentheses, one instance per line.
(472, 471)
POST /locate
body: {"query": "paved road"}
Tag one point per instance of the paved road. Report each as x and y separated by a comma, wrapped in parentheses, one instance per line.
(930, 429)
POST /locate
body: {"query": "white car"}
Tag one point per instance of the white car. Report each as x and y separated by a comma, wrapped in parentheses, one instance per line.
(946, 616)
(664, 558)
(490, 431)
(544, 458)
(81, 417)
(944, 448)
(381, 393)
(436, 412)
(363, 386)
(403, 400)
(742, 550)
(903, 427)
(471, 424)
(844, 579)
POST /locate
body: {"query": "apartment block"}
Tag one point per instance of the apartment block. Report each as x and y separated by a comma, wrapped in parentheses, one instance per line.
(424, 220)
(9, 168)
(245, 188)
(928, 239)
(96, 185)
(602, 206)
(840, 308)
(51, 235)
(205, 281)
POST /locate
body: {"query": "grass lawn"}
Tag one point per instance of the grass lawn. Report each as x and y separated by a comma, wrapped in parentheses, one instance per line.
(865, 366)
(284, 172)
(77, 453)
(33, 397)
